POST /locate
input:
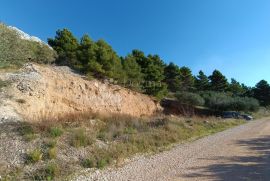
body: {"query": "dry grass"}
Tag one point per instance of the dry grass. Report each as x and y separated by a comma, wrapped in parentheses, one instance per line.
(107, 140)
(127, 135)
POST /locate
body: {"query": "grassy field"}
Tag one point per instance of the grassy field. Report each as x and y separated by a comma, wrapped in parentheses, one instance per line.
(107, 140)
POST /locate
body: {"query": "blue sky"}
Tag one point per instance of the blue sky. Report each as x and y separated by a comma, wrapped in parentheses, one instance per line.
(230, 35)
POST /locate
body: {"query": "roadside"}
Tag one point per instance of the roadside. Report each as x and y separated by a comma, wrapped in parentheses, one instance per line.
(56, 148)
(240, 153)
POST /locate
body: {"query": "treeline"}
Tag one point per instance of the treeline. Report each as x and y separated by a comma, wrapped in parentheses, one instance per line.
(149, 74)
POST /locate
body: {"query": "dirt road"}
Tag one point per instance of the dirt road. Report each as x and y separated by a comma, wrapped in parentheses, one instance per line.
(241, 153)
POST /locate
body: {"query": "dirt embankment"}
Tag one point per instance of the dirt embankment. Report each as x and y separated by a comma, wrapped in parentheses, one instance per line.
(48, 91)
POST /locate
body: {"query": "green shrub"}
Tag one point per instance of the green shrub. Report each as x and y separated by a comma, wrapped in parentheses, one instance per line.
(224, 102)
(88, 163)
(79, 138)
(100, 157)
(52, 170)
(51, 143)
(55, 132)
(52, 153)
(189, 98)
(15, 51)
(35, 156)
(27, 132)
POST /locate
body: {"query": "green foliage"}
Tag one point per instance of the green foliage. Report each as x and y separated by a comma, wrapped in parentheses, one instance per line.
(52, 153)
(173, 77)
(189, 98)
(236, 88)
(218, 82)
(133, 73)
(66, 46)
(87, 57)
(99, 159)
(202, 82)
(52, 170)
(262, 92)
(110, 61)
(35, 156)
(55, 132)
(148, 74)
(224, 102)
(154, 76)
(15, 51)
(187, 79)
(79, 138)
(152, 69)
(27, 132)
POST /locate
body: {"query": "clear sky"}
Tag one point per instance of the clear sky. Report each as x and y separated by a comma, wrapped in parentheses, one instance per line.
(230, 35)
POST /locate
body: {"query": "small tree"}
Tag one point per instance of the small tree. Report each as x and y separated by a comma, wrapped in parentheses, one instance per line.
(173, 77)
(262, 92)
(187, 79)
(66, 46)
(133, 72)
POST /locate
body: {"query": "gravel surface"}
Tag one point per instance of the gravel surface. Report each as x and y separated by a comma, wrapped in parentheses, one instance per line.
(240, 153)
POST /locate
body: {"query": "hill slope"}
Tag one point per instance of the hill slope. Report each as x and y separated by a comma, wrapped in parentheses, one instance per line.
(49, 90)
(17, 48)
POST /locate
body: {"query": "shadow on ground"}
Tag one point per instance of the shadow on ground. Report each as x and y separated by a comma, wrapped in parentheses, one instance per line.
(239, 168)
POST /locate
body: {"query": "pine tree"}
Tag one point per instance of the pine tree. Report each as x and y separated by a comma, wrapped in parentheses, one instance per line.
(152, 68)
(133, 72)
(172, 77)
(154, 76)
(262, 92)
(236, 88)
(187, 79)
(87, 57)
(202, 82)
(66, 46)
(218, 82)
(109, 60)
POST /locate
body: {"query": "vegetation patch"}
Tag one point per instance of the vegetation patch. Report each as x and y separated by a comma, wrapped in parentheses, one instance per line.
(34, 156)
(108, 140)
(55, 132)
(4, 83)
(80, 138)
(27, 131)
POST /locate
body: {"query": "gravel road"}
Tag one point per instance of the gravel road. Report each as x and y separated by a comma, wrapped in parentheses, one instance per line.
(240, 153)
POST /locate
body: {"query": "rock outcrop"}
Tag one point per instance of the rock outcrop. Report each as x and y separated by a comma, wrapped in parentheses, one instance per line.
(50, 90)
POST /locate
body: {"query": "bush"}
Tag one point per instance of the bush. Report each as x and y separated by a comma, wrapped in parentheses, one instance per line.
(88, 163)
(52, 153)
(27, 132)
(52, 170)
(189, 98)
(223, 102)
(79, 138)
(35, 156)
(100, 158)
(55, 132)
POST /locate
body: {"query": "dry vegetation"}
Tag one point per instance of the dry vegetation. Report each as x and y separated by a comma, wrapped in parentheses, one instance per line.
(71, 142)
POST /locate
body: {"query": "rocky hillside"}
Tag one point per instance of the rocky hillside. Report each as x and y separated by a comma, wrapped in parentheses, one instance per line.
(17, 48)
(50, 90)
